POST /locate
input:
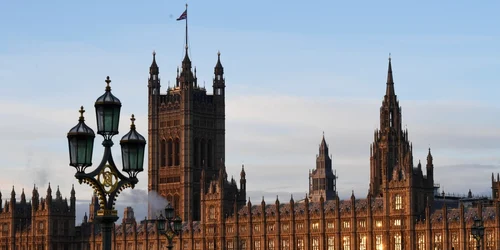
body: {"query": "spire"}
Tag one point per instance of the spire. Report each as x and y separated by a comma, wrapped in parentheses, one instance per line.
(218, 69)
(23, 197)
(429, 158)
(323, 148)
(243, 174)
(153, 69)
(58, 193)
(72, 190)
(390, 80)
(49, 191)
(13, 194)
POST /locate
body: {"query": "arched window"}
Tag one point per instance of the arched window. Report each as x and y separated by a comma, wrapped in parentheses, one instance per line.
(211, 213)
(398, 202)
(195, 152)
(203, 153)
(177, 152)
(170, 152)
(209, 153)
(163, 153)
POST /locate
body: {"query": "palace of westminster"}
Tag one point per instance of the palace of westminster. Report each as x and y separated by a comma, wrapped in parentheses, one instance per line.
(186, 147)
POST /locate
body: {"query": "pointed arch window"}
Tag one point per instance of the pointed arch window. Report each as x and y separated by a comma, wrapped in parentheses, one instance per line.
(170, 152)
(398, 202)
(397, 241)
(196, 150)
(177, 149)
(211, 212)
(163, 153)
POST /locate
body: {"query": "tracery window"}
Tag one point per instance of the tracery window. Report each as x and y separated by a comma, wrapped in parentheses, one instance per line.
(397, 241)
(454, 240)
(331, 243)
(270, 244)
(398, 202)
(300, 226)
(315, 225)
(362, 223)
(285, 227)
(300, 244)
(243, 245)
(397, 222)
(170, 154)
(346, 243)
(438, 241)
(330, 225)
(211, 212)
(378, 242)
(230, 245)
(490, 240)
(285, 244)
(177, 152)
(211, 245)
(256, 228)
(346, 224)
(378, 223)
(315, 243)
(163, 153)
(256, 245)
(472, 241)
(362, 242)
(421, 241)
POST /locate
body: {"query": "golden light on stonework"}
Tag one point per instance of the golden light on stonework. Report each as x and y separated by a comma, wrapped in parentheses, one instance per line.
(108, 179)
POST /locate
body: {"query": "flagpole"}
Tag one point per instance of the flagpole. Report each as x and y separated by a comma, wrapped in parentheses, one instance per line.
(186, 28)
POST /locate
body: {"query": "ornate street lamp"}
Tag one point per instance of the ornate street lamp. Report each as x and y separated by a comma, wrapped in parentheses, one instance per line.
(478, 232)
(168, 225)
(106, 180)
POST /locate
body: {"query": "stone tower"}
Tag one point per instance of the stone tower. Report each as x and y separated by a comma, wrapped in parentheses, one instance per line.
(392, 174)
(186, 136)
(322, 180)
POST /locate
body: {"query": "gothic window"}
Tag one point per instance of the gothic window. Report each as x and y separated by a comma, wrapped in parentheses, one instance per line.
(346, 243)
(490, 240)
(397, 242)
(398, 202)
(211, 245)
(378, 242)
(285, 227)
(331, 243)
(397, 222)
(390, 119)
(437, 241)
(177, 152)
(230, 245)
(362, 223)
(346, 224)
(270, 228)
(285, 244)
(154, 77)
(362, 242)
(163, 153)
(472, 242)
(454, 240)
(170, 152)
(209, 153)
(176, 204)
(322, 184)
(211, 212)
(197, 245)
(315, 243)
(218, 92)
(256, 245)
(300, 226)
(420, 241)
(315, 226)
(243, 245)
(256, 228)
(300, 244)
(270, 244)
(330, 225)
(315, 184)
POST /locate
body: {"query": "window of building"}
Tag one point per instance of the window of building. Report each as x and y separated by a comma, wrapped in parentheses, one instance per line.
(378, 242)
(378, 223)
(230, 245)
(472, 242)
(243, 244)
(346, 243)
(454, 240)
(300, 244)
(177, 152)
(315, 243)
(362, 224)
(315, 225)
(243, 229)
(490, 240)
(270, 228)
(397, 241)
(197, 245)
(256, 245)
(256, 228)
(211, 212)
(285, 227)
(300, 226)
(398, 202)
(230, 229)
(362, 242)
(170, 153)
(270, 244)
(211, 245)
(163, 152)
(397, 222)
(438, 242)
(346, 224)
(285, 244)
(331, 243)
(420, 241)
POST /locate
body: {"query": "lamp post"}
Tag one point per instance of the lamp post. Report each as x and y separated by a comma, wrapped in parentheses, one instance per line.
(478, 232)
(168, 225)
(106, 180)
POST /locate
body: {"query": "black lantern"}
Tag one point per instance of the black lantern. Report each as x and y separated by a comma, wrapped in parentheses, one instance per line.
(133, 145)
(177, 224)
(81, 144)
(107, 109)
(161, 223)
(169, 212)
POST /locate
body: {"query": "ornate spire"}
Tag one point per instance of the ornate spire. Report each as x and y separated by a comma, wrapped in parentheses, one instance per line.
(153, 69)
(390, 80)
(13, 194)
(218, 69)
(429, 158)
(23, 197)
(323, 148)
(243, 174)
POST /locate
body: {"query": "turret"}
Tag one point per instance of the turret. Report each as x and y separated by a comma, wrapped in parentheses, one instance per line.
(219, 81)
(48, 197)
(12, 202)
(58, 194)
(243, 183)
(430, 168)
(73, 199)
(23, 197)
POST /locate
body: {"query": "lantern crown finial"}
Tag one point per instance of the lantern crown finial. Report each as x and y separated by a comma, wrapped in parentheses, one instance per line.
(108, 81)
(132, 119)
(81, 114)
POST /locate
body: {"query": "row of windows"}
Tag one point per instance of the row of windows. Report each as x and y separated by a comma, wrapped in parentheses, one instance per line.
(170, 123)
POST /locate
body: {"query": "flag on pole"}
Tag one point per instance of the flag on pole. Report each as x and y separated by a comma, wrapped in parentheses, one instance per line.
(183, 16)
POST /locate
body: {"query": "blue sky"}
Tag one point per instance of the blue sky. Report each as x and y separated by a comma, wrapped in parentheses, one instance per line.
(292, 70)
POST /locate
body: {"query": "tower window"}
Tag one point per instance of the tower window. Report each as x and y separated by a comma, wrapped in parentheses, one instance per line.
(154, 77)
(398, 202)
(218, 92)
(163, 152)
(177, 152)
(170, 152)
(218, 77)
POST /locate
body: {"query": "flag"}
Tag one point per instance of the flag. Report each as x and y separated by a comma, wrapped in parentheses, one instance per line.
(183, 16)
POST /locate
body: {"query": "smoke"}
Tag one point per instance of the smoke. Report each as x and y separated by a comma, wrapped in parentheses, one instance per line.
(157, 204)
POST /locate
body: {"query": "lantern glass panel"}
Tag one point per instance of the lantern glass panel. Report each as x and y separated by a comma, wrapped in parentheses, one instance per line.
(169, 212)
(140, 158)
(125, 158)
(177, 224)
